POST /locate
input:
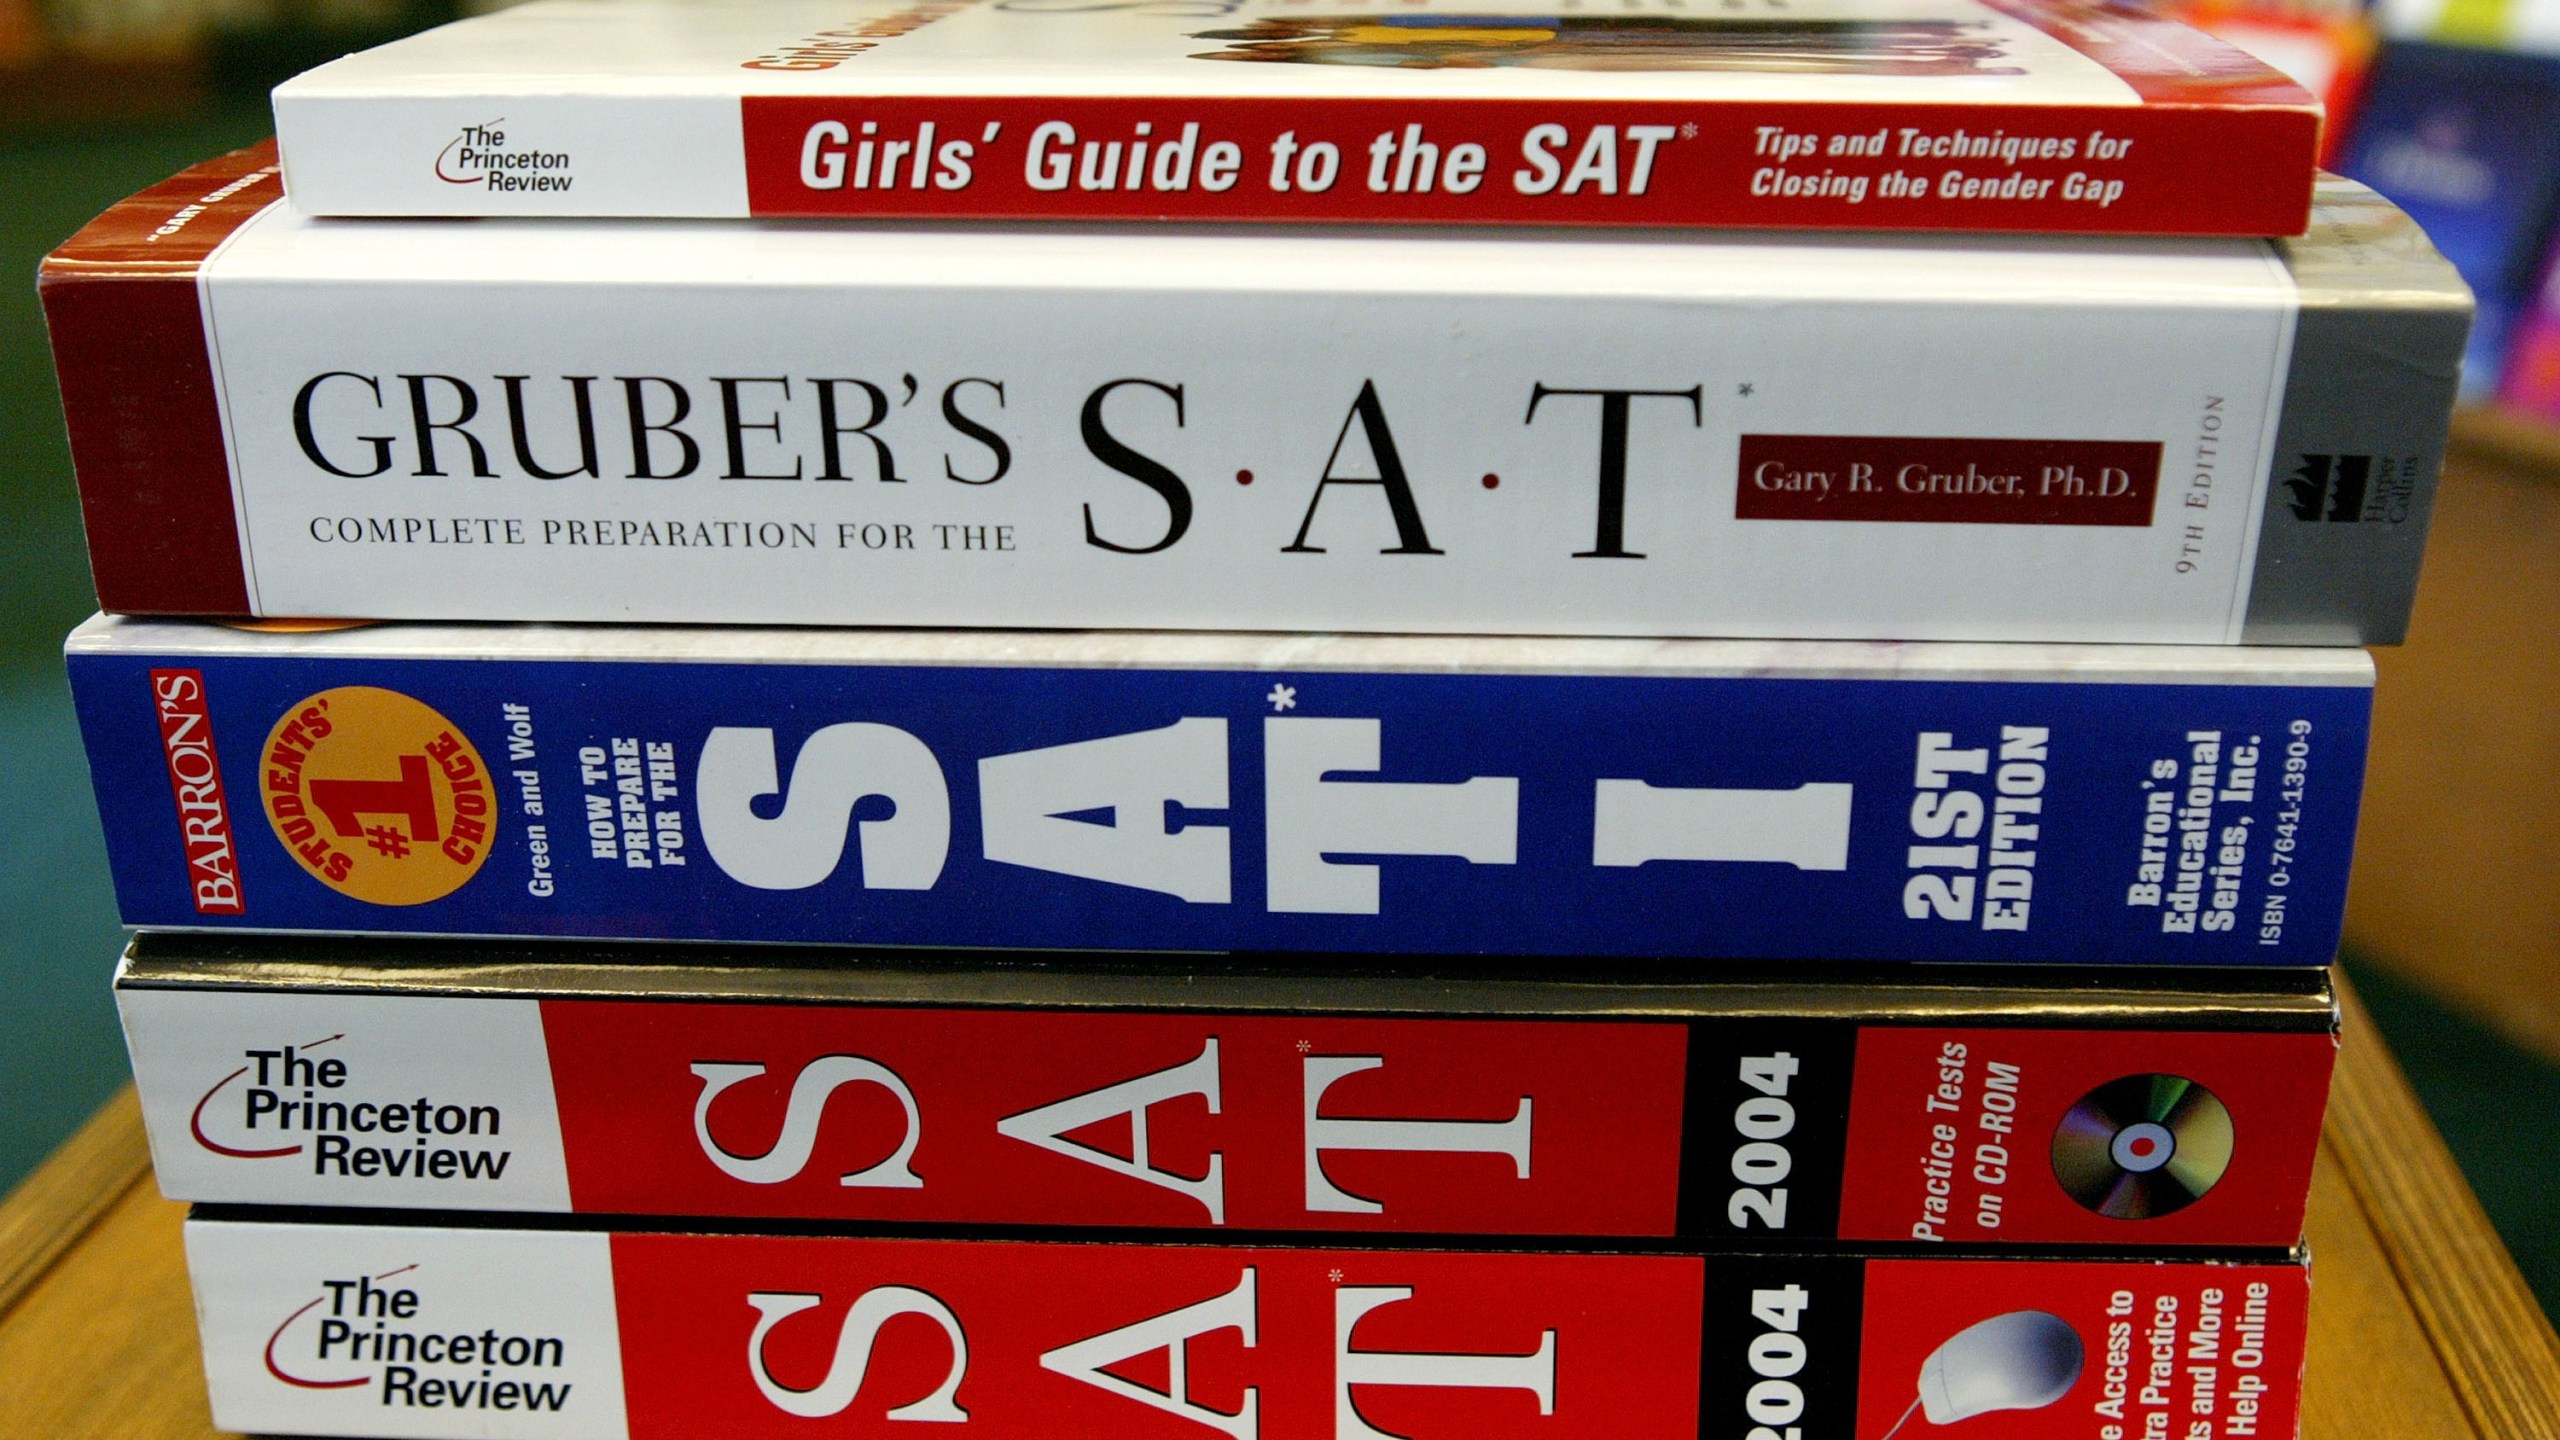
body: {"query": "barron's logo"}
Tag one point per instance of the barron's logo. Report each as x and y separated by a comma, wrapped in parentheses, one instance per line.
(195, 782)
(379, 797)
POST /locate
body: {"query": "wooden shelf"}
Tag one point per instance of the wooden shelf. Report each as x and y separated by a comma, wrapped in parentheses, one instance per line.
(2511, 438)
(2420, 1326)
(2460, 835)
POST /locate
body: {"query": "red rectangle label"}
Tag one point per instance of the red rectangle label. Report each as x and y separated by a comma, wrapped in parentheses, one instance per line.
(195, 782)
(1946, 480)
(2129, 1140)
(1030, 1118)
(2033, 1350)
(2220, 169)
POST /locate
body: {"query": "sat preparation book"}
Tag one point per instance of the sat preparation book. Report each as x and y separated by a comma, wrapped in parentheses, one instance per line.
(333, 1323)
(1442, 432)
(1993, 1109)
(2008, 115)
(1700, 800)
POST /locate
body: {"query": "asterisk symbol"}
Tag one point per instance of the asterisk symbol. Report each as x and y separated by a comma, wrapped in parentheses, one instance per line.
(1334, 1275)
(1743, 389)
(1689, 131)
(1304, 1046)
(1283, 697)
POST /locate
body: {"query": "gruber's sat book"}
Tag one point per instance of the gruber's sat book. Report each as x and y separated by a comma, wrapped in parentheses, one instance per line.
(1279, 428)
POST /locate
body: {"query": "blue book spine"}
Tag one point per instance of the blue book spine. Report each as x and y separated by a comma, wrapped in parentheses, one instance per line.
(1381, 796)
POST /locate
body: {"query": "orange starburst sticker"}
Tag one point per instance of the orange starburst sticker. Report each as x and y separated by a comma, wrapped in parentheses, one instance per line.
(377, 795)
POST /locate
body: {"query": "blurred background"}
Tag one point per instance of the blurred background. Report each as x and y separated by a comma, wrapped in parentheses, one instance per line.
(2451, 107)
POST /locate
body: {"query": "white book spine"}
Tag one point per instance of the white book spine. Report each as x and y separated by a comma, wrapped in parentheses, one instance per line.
(1643, 435)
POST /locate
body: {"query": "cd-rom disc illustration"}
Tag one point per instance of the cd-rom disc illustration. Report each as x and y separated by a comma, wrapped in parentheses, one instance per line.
(2143, 1146)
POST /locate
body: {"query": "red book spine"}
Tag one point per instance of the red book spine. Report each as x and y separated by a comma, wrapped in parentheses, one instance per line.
(319, 1328)
(138, 388)
(1733, 1132)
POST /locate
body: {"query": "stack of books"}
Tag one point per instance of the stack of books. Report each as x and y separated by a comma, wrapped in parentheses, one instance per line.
(1491, 734)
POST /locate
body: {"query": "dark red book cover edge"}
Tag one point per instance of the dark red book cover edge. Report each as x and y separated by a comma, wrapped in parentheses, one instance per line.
(130, 352)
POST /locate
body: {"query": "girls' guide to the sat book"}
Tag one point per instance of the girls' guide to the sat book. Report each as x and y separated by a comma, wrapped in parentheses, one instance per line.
(2013, 115)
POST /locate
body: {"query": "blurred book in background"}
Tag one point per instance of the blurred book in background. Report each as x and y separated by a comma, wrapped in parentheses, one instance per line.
(2487, 24)
(2467, 140)
(2529, 379)
(2452, 109)
(2532, 380)
(2326, 46)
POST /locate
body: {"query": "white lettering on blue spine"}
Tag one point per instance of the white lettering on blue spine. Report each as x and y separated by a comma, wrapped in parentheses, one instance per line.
(1036, 809)
(1307, 816)
(1021, 797)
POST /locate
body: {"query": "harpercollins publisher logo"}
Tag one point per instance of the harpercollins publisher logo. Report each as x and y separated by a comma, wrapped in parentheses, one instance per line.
(2348, 489)
(195, 780)
(480, 155)
(378, 796)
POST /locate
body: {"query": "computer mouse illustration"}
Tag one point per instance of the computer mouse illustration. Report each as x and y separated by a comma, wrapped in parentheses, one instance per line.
(2024, 1360)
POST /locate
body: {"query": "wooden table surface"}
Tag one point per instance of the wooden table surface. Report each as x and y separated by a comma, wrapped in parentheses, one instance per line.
(2420, 1326)
(2461, 825)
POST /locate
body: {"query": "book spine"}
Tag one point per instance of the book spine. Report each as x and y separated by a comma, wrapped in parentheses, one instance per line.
(1258, 442)
(315, 1328)
(1728, 1131)
(2345, 526)
(139, 390)
(2149, 169)
(1245, 807)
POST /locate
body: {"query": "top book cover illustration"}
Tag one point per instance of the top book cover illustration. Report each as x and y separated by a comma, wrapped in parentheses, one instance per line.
(1963, 115)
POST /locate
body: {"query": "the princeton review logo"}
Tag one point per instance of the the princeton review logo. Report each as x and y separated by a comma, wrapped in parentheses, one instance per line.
(378, 796)
(2350, 489)
(482, 155)
(375, 1334)
(284, 1101)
